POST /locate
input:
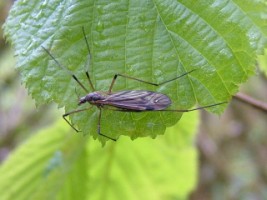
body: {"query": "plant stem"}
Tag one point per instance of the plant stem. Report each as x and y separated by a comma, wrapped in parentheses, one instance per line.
(251, 101)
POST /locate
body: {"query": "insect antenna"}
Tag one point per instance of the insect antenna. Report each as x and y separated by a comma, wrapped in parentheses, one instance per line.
(65, 69)
(88, 60)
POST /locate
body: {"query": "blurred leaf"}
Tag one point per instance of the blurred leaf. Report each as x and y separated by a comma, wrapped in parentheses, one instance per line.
(54, 165)
(165, 168)
(46, 167)
(152, 40)
(262, 60)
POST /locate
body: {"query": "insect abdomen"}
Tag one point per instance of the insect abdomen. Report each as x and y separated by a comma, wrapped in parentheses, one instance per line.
(158, 102)
(138, 100)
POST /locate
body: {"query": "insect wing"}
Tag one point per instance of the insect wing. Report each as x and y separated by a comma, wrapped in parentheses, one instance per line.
(138, 100)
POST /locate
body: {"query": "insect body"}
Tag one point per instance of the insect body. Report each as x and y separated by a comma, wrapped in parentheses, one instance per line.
(124, 101)
(134, 100)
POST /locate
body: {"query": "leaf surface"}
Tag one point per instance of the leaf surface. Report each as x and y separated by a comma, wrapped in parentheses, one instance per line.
(57, 165)
(47, 166)
(153, 40)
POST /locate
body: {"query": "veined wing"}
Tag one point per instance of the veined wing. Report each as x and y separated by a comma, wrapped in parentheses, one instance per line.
(137, 100)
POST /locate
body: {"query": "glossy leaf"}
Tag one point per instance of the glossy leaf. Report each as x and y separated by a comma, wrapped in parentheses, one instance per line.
(151, 40)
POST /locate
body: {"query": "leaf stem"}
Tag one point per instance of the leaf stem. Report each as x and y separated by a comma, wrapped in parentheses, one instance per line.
(260, 105)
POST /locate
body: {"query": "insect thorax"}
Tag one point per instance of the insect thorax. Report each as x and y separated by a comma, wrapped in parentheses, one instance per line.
(92, 97)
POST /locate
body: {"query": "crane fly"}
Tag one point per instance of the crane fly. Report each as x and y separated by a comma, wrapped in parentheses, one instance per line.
(123, 101)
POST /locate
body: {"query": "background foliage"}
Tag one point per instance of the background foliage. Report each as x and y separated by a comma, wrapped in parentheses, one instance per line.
(62, 159)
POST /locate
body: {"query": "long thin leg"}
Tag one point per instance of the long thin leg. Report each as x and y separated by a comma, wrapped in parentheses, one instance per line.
(88, 59)
(72, 112)
(136, 79)
(193, 109)
(99, 126)
(81, 110)
(65, 69)
(73, 75)
(172, 110)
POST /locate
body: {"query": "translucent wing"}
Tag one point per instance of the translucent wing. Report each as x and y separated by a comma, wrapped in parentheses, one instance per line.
(137, 100)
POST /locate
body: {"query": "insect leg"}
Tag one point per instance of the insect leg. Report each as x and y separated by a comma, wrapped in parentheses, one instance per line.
(99, 126)
(72, 112)
(171, 110)
(88, 61)
(193, 109)
(65, 69)
(150, 83)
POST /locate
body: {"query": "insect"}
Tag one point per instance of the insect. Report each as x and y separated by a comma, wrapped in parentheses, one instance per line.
(123, 101)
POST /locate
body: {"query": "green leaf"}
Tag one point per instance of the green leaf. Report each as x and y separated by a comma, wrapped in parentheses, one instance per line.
(47, 166)
(165, 168)
(151, 40)
(262, 60)
(54, 164)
